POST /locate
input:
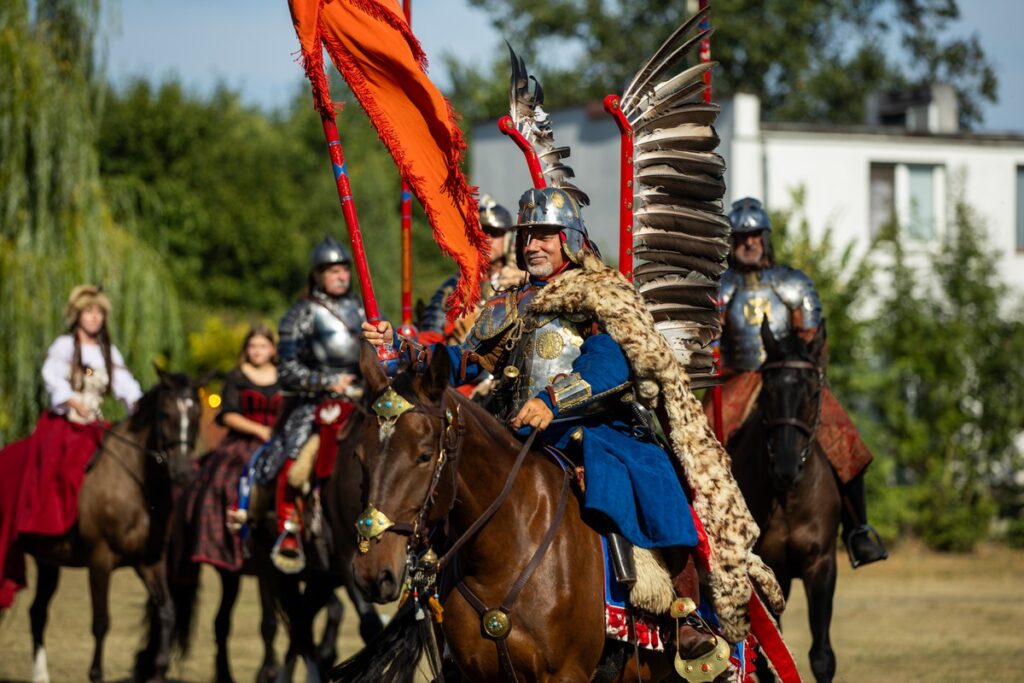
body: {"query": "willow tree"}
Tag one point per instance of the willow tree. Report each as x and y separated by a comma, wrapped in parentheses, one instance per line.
(55, 229)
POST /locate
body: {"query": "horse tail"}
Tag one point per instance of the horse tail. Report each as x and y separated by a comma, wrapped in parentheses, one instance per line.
(391, 657)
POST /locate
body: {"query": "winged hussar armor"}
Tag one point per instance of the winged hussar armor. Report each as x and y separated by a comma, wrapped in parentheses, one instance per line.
(680, 235)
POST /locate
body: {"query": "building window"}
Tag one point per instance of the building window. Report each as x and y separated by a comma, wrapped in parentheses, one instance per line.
(883, 196)
(1020, 208)
(913, 195)
(920, 217)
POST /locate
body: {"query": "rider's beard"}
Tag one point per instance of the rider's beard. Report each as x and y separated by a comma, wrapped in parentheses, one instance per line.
(540, 270)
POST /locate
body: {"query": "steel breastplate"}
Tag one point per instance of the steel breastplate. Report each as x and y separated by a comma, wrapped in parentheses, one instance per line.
(335, 334)
(548, 348)
(752, 300)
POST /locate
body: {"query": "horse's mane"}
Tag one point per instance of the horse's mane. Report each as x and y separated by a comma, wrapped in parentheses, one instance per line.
(493, 429)
(146, 407)
(790, 347)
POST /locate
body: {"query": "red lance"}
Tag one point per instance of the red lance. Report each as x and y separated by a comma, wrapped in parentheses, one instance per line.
(716, 390)
(407, 329)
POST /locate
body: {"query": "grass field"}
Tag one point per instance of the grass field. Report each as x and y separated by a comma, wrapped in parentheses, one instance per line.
(917, 617)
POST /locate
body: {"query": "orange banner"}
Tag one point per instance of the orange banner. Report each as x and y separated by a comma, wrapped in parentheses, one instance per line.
(374, 49)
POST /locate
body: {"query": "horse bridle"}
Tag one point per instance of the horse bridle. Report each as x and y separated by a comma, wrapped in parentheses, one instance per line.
(160, 454)
(809, 430)
(373, 523)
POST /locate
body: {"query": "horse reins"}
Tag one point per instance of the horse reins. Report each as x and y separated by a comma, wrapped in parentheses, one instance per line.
(497, 621)
(809, 430)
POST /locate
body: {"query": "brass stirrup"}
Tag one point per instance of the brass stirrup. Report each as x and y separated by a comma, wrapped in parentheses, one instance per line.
(707, 667)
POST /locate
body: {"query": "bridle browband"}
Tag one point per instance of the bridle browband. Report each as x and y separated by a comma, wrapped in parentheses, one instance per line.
(808, 430)
(160, 454)
(373, 523)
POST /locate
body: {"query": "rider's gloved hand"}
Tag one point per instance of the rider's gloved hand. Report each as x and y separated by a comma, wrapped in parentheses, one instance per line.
(378, 333)
(534, 413)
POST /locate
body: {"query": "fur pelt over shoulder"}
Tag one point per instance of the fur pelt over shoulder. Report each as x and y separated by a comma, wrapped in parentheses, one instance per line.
(600, 291)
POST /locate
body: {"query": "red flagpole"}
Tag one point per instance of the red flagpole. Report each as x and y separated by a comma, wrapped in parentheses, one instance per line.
(611, 105)
(506, 126)
(385, 353)
(348, 208)
(716, 390)
(406, 210)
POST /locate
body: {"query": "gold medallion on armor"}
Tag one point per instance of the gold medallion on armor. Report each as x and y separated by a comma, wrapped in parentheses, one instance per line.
(550, 344)
(756, 309)
(557, 199)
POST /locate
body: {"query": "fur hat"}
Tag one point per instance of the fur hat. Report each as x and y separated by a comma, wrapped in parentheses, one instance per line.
(81, 298)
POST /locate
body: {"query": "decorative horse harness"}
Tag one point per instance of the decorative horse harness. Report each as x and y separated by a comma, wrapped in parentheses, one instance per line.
(809, 430)
(425, 567)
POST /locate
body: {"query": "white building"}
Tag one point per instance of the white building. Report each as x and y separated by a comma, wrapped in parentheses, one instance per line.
(909, 161)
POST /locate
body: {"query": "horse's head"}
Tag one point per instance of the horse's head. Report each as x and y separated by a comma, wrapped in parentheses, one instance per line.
(790, 403)
(171, 410)
(406, 447)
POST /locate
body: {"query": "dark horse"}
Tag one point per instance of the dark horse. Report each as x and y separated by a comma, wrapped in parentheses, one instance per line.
(183, 577)
(328, 568)
(447, 460)
(123, 516)
(789, 484)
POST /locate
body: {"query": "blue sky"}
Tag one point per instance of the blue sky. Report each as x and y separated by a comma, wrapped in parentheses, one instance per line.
(206, 41)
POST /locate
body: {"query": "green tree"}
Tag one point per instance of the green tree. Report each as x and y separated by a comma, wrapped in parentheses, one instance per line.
(948, 393)
(55, 227)
(842, 278)
(808, 60)
(235, 198)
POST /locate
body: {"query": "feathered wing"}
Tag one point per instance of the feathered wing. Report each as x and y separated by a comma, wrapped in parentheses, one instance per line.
(528, 115)
(680, 233)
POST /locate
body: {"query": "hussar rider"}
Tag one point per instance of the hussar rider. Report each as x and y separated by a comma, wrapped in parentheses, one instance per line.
(755, 289)
(563, 370)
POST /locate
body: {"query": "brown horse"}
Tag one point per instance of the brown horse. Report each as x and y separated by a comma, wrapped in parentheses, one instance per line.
(789, 484)
(445, 462)
(123, 514)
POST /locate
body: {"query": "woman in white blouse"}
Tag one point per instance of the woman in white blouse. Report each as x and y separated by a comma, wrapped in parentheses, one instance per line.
(82, 366)
(42, 474)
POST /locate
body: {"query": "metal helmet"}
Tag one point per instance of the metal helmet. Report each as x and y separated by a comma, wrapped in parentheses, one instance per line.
(495, 219)
(329, 252)
(747, 216)
(555, 208)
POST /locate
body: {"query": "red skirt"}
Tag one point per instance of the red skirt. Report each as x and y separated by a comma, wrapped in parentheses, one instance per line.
(208, 498)
(42, 476)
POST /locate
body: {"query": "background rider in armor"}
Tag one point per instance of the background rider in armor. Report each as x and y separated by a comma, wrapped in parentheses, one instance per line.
(318, 366)
(755, 288)
(496, 222)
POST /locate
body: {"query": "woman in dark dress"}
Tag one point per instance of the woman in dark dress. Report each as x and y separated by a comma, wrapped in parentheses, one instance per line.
(249, 408)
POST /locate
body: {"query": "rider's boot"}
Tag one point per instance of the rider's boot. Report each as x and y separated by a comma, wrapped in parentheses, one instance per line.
(863, 544)
(693, 641)
(287, 553)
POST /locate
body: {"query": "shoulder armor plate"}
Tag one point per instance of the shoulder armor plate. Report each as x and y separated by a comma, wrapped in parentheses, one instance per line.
(496, 316)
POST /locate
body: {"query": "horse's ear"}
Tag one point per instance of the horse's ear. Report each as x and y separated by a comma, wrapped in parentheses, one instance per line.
(768, 338)
(162, 375)
(432, 383)
(373, 373)
(819, 344)
(203, 379)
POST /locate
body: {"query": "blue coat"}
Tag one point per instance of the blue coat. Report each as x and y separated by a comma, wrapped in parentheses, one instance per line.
(630, 481)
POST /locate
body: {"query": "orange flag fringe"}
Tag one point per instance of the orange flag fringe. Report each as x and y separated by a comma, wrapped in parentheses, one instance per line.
(374, 49)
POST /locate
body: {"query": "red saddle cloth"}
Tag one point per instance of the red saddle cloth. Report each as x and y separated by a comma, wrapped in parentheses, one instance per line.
(837, 434)
(42, 476)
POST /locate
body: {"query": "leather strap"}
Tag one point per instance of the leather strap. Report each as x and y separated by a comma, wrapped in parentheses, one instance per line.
(504, 656)
(493, 507)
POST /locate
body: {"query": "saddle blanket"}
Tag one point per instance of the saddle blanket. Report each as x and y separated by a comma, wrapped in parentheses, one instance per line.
(623, 621)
